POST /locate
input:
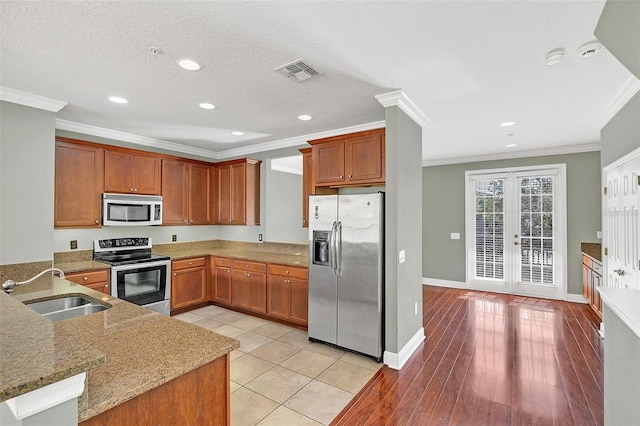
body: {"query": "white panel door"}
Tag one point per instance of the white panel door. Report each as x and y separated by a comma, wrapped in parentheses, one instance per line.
(516, 231)
(622, 225)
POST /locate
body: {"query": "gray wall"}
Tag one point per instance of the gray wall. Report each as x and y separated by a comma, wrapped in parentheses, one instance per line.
(403, 229)
(284, 207)
(26, 184)
(621, 135)
(443, 205)
(619, 30)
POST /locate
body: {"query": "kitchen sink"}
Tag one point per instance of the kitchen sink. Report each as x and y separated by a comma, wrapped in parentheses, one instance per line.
(67, 307)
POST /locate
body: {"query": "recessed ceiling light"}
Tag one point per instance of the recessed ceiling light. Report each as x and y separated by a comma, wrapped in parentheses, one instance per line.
(189, 64)
(236, 133)
(553, 57)
(118, 100)
(510, 145)
(207, 105)
(508, 123)
(304, 117)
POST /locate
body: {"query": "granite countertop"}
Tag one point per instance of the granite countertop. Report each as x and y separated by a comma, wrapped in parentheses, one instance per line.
(126, 350)
(593, 250)
(301, 259)
(86, 265)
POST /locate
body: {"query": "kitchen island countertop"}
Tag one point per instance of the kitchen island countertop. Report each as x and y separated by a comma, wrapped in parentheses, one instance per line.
(126, 350)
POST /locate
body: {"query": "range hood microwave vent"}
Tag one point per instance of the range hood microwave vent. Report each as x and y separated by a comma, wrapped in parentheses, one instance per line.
(299, 70)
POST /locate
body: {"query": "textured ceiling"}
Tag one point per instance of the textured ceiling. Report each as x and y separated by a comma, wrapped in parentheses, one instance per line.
(467, 65)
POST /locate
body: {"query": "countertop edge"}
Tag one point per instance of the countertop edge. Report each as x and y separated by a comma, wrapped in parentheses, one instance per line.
(624, 303)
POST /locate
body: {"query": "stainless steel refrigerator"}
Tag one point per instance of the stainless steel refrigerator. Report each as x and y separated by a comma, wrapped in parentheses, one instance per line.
(346, 271)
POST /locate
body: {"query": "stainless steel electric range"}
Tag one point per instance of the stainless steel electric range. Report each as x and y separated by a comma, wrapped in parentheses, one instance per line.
(137, 275)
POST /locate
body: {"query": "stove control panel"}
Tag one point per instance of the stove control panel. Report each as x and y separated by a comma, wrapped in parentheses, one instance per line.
(122, 244)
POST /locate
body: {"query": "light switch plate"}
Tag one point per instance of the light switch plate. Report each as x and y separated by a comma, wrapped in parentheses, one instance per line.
(455, 235)
(402, 256)
(599, 234)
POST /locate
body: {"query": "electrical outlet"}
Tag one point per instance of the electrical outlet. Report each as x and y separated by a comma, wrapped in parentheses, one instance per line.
(73, 244)
(174, 237)
(259, 237)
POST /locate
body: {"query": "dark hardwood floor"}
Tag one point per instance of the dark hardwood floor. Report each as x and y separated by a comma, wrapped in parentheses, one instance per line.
(491, 359)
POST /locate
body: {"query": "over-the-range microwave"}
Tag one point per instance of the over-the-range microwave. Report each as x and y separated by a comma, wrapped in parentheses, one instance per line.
(131, 210)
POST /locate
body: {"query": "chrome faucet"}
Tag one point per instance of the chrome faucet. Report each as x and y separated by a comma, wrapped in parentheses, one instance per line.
(9, 285)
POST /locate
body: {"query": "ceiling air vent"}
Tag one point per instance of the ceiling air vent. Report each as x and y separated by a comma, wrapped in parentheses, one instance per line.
(299, 70)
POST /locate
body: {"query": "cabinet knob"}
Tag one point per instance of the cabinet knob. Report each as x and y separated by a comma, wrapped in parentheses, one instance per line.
(131, 189)
(350, 176)
(174, 274)
(191, 220)
(190, 263)
(185, 221)
(106, 285)
(341, 177)
(97, 221)
(248, 275)
(286, 271)
(135, 189)
(85, 278)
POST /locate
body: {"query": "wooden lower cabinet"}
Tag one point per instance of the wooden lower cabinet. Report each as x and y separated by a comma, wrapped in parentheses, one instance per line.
(220, 283)
(249, 286)
(591, 280)
(95, 279)
(288, 293)
(188, 282)
(199, 397)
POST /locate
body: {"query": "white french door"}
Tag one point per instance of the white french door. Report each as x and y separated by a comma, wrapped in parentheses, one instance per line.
(622, 224)
(516, 231)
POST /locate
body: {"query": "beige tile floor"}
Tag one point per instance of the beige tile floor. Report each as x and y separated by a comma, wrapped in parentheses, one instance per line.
(280, 378)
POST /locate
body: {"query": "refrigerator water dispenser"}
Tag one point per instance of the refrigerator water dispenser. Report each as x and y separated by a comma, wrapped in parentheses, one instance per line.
(321, 248)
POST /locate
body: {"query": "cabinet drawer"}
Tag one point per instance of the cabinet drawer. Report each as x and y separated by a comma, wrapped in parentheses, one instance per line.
(289, 271)
(194, 262)
(243, 265)
(597, 267)
(586, 261)
(92, 277)
(222, 261)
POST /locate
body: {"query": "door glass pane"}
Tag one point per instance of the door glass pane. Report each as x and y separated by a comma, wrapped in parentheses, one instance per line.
(489, 229)
(536, 230)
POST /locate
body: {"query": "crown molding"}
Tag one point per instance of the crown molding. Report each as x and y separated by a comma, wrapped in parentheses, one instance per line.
(562, 150)
(625, 92)
(87, 129)
(298, 140)
(29, 99)
(399, 99)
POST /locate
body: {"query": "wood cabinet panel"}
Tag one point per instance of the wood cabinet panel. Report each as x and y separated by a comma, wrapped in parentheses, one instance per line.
(79, 183)
(364, 158)
(188, 282)
(238, 194)
(130, 173)
(249, 290)
(199, 193)
(249, 266)
(237, 186)
(279, 297)
(222, 284)
(223, 193)
(95, 279)
(307, 183)
(199, 397)
(175, 187)
(328, 162)
(591, 280)
(288, 293)
(299, 301)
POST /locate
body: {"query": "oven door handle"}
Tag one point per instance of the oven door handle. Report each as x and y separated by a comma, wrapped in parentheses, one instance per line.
(130, 266)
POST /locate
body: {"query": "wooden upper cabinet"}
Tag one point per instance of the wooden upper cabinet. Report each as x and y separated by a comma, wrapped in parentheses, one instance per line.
(131, 173)
(307, 184)
(175, 190)
(186, 188)
(237, 192)
(79, 183)
(353, 159)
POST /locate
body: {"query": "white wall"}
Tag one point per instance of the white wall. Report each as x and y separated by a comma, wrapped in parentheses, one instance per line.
(27, 155)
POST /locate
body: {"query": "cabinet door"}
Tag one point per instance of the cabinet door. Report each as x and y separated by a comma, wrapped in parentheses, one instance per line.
(586, 277)
(175, 186)
(199, 191)
(96, 279)
(307, 184)
(328, 161)
(299, 301)
(223, 195)
(188, 287)
(145, 173)
(258, 292)
(364, 159)
(240, 289)
(117, 172)
(597, 300)
(279, 297)
(238, 194)
(222, 285)
(79, 183)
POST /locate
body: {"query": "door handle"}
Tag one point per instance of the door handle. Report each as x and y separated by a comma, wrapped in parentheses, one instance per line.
(332, 248)
(515, 243)
(338, 248)
(619, 271)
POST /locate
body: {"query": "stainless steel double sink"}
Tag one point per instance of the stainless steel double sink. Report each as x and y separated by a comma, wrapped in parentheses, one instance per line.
(66, 307)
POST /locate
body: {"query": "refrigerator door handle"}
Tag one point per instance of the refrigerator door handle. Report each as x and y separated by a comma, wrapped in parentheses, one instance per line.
(332, 248)
(338, 244)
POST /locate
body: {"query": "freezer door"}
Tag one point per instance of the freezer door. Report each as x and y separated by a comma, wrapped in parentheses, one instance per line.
(360, 270)
(323, 214)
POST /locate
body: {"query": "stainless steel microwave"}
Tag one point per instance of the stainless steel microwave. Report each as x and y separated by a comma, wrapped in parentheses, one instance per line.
(131, 210)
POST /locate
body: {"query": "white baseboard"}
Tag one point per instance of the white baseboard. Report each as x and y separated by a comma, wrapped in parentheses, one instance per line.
(396, 361)
(576, 298)
(444, 283)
